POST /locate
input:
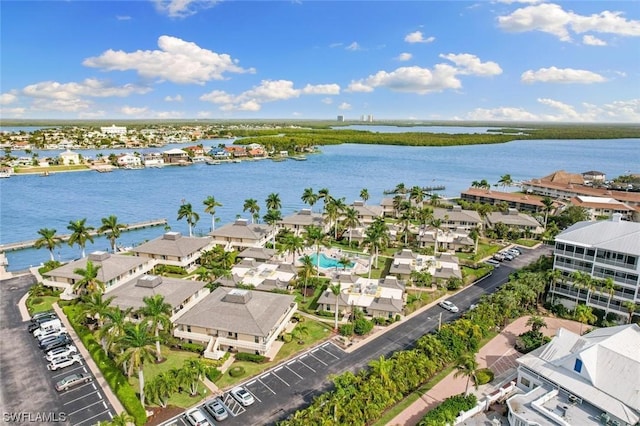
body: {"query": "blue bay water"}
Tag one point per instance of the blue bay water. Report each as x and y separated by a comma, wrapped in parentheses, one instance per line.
(29, 203)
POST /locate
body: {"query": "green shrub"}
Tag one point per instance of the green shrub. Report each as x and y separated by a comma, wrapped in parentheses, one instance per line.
(192, 347)
(245, 356)
(530, 340)
(36, 300)
(213, 374)
(362, 326)
(237, 371)
(346, 330)
(380, 321)
(447, 412)
(484, 376)
(287, 337)
(327, 314)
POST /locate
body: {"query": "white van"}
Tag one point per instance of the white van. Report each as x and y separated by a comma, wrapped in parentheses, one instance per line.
(47, 326)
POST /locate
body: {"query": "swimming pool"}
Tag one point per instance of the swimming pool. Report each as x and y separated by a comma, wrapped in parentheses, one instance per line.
(329, 262)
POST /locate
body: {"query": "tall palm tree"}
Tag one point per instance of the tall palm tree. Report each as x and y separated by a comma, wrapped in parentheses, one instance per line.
(95, 306)
(548, 207)
(416, 194)
(309, 197)
(113, 327)
(251, 204)
(333, 210)
(505, 180)
(335, 289)
(377, 237)
(584, 314)
(112, 229)
(210, 204)
(555, 276)
(186, 212)
(315, 236)
(609, 285)
(350, 220)
(272, 218)
(273, 201)
(364, 195)
(80, 234)
(49, 240)
(308, 268)
(580, 280)
(88, 282)
(157, 313)
(467, 366)
(631, 307)
(323, 194)
(437, 225)
(137, 343)
(474, 234)
(291, 243)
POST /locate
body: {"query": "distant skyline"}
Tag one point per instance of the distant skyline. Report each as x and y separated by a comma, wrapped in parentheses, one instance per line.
(507, 60)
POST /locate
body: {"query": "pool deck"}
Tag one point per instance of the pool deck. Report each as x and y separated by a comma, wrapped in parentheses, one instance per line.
(361, 265)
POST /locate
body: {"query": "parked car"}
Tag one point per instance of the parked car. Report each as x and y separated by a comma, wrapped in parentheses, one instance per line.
(64, 362)
(43, 314)
(58, 342)
(35, 324)
(449, 306)
(197, 418)
(242, 395)
(63, 351)
(499, 257)
(514, 252)
(53, 324)
(507, 256)
(493, 263)
(72, 381)
(51, 332)
(216, 408)
(51, 339)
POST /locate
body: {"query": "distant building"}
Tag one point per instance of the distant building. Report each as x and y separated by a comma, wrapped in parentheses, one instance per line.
(113, 130)
(341, 118)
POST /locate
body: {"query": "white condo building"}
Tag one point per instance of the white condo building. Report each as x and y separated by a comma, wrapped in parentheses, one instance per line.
(114, 130)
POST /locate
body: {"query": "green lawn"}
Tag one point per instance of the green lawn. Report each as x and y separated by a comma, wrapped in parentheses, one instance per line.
(46, 304)
(527, 243)
(50, 169)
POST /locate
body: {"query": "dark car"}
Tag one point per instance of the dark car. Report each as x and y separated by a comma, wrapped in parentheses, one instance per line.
(35, 323)
(59, 342)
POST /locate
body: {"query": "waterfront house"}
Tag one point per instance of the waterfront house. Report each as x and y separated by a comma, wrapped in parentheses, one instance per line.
(594, 177)
(219, 153)
(176, 157)
(237, 320)
(605, 207)
(265, 276)
(515, 220)
(129, 161)
(153, 159)
(114, 130)
(114, 270)
(456, 218)
(180, 294)
(242, 234)
(68, 158)
(580, 380)
(384, 298)
(195, 150)
(367, 214)
(298, 221)
(236, 151)
(174, 249)
(513, 200)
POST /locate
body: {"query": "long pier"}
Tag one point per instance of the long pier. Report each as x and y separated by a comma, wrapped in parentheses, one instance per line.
(130, 227)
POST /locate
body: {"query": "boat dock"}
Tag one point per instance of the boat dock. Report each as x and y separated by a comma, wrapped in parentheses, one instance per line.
(130, 227)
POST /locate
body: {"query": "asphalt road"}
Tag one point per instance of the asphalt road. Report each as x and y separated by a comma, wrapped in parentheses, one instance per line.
(27, 393)
(292, 385)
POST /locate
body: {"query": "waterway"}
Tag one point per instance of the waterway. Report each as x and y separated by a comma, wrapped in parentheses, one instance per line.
(29, 203)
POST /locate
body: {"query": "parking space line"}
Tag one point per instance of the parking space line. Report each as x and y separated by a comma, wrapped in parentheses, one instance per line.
(66, 372)
(263, 384)
(85, 407)
(93, 417)
(301, 362)
(319, 360)
(299, 376)
(326, 351)
(70, 391)
(280, 378)
(80, 397)
(250, 383)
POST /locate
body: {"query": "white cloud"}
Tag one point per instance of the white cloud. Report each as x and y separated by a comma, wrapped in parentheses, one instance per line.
(134, 111)
(471, 64)
(272, 90)
(566, 111)
(7, 98)
(64, 105)
(12, 112)
(123, 18)
(593, 41)
(176, 98)
(217, 97)
(327, 101)
(353, 46)
(344, 106)
(177, 61)
(501, 114)
(418, 37)
(404, 57)
(557, 75)
(553, 19)
(359, 86)
(89, 87)
(321, 89)
(182, 8)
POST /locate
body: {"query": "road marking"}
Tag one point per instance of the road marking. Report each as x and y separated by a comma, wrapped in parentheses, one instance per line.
(278, 369)
(85, 407)
(264, 375)
(324, 350)
(299, 376)
(93, 417)
(280, 378)
(69, 391)
(263, 384)
(319, 360)
(65, 373)
(99, 395)
(301, 362)
(250, 383)
(80, 397)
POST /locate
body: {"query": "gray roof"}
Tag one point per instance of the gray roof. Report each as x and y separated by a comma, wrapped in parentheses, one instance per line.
(516, 219)
(175, 291)
(618, 236)
(257, 316)
(391, 282)
(457, 215)
(259, 253)
(242, 229)
(405, 254)
(386, 304)
(173, 244)
(368, 209)
(111, 266)
(304, 217)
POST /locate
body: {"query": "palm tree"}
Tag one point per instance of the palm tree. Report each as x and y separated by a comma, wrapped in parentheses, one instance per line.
(157, 313)
(112, 229)
(113, 327)
(251, 204)
(193, 372)
(609, 285)
(161, 387)
(580, 280)
(122, 419)
(344, 262)
(80, 234)
(333, 209)
(364, 195)
(376, 238)
(584, 314)
(49, 240)
(405, 222)
(309, 197)
(548, 207)
(291, 243)
(186, 212)
(89, 282)
(474, 234)
(536, 323)
(300, 332)
(335, 289)
(555, 276)
(273, 201)
(416, 194)
(631, 308)
(437, 225)
(272, 218)
(467, 366)
(137, 343)
(383, 368)
(315, 236)
(350, 220)
(308, 268)
(96, 307)
(400, 189)
(505, 180)
(210, 204)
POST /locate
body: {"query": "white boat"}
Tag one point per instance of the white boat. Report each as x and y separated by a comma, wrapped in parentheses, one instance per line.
(5, 174)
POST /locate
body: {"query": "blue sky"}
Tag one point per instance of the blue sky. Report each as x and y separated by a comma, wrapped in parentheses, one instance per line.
(421, 60)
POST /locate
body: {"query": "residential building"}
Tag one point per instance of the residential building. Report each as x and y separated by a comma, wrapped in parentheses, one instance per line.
(298, 221)
(580, 380)
(261, 254)
(515, 220)
(383, 298)
(236, 150)
(603, 207)
(367, 213)
(448, 240)
(602, 249)
(180, 294)
(113, 270)
(442, 266)
(129, 161)
(176, 157)
(153, 159)
(242, 234)
(68, 158)
(236, 320)
(594, 177)
(456, 218)
(174, 249)
(114, 130)
(219, 153)
(513, 200)
(264, 276)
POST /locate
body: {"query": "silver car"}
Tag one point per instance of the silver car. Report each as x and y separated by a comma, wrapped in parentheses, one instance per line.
(449, 306)
(242, 395)
(73, 380)
(217, 409)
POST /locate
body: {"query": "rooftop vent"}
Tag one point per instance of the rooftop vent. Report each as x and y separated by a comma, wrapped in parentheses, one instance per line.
(241, 222)
(616, 217)
(306, 212)
(149, 281)
(171, 236)
(239, 296)
(99, 256)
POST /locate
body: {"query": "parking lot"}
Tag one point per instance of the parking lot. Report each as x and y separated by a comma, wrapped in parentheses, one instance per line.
(275, 386)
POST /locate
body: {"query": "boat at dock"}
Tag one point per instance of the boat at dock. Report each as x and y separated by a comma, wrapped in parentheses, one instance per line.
(299, 158)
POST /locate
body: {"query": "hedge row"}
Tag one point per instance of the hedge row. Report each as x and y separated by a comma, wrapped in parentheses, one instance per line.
(450, 408)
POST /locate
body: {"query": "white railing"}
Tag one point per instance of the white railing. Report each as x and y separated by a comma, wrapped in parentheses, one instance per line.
(484, 403)
(189, 335)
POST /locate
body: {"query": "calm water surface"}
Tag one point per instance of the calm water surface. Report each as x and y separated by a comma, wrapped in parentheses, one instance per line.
(29, 203)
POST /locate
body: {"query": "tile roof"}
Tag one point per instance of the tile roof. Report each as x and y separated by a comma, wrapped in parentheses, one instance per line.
(173, 244)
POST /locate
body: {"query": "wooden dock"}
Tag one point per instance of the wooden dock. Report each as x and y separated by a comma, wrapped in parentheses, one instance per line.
(129, 227)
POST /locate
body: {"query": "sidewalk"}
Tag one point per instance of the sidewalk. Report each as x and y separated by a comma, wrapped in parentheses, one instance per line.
(498, 354)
